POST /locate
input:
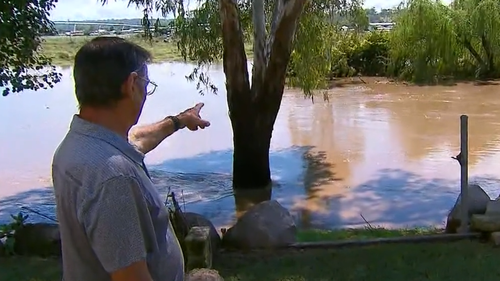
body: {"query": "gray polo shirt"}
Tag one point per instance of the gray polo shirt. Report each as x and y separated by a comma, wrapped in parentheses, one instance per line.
(109, 212)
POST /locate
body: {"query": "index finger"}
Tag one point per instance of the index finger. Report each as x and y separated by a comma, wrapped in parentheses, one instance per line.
(198, 106)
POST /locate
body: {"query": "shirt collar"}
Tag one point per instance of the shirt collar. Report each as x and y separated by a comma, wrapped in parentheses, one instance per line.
(80, 126)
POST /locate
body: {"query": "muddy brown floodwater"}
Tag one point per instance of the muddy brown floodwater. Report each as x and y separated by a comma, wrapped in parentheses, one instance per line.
(375, 149)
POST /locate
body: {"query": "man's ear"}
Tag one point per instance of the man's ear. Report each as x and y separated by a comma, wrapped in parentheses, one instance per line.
(129, 85)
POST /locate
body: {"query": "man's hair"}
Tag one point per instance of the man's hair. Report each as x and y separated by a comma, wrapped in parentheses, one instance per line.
(101, 67)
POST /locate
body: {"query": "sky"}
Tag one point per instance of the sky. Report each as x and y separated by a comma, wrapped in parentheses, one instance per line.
(117, 9)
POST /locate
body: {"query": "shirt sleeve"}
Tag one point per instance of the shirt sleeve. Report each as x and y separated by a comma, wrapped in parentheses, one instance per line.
(117, 223)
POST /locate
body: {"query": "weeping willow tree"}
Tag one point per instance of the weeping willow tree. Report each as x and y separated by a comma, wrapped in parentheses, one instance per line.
(216, 30)
(477, 25)
(432, 41)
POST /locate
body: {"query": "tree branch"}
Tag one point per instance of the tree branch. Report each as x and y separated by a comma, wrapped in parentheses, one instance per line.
(234, 57)
(259, 44)
(274, 25)
(283, 29)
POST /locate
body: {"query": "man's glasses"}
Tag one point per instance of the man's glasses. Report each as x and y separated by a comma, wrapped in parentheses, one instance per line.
(150, 86)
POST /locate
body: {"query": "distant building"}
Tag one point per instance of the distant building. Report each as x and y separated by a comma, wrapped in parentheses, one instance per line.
(74, 33)
(381, 26)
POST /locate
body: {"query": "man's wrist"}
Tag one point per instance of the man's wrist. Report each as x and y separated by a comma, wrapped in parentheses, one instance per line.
(175, 121)
(182, 120)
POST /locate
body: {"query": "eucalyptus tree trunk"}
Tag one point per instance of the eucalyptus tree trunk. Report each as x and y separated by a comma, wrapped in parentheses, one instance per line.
(253, 107)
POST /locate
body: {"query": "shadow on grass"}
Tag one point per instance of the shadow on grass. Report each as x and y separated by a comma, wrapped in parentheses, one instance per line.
(465, 260)
(29, 269)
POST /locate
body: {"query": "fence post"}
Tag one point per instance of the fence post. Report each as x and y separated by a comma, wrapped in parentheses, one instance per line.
(464, 173)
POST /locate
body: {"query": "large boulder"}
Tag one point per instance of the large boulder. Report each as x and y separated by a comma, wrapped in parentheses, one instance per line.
(478, 202)
(265, 225)
(493, 207)
(194, 219)
(39, 239)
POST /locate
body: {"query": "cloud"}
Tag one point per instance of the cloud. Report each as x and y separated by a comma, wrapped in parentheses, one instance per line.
(93, 10)
(118, 9)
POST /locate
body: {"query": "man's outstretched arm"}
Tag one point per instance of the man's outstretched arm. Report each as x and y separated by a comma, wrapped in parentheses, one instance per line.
(148, 137)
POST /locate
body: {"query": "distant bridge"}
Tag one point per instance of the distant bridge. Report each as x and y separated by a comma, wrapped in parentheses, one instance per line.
(75, 23)
(125, 28)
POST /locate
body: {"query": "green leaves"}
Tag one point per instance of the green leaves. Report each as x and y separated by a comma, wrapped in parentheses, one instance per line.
(22, 67)
(198, 34)
(7, 232)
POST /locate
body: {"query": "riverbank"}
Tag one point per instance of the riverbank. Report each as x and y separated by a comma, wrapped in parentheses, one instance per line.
(62, 50)
(464, 260)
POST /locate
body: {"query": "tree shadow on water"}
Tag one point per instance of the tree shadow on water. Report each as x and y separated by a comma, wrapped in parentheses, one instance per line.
(395, 198)
(40, 200)
(202, 183)
(205, 182)
(304, 181)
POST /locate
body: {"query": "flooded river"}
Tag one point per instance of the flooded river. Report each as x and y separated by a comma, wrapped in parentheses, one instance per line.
(374, 150)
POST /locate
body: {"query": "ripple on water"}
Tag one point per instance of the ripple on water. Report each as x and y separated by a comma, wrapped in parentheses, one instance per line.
(193, 187)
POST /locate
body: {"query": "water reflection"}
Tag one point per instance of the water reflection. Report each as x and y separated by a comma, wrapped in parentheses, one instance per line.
(246, 199)
(428, 118)
(379, 150)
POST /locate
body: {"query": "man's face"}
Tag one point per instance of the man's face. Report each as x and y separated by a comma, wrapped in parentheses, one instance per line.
(136, 92)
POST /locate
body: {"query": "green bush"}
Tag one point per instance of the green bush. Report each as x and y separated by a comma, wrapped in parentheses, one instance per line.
(355, 54)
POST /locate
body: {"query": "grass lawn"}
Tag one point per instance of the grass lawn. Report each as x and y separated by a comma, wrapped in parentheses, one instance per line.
(464, 260)
(62, 50)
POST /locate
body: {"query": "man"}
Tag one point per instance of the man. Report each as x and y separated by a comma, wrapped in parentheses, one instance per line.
(113, 223)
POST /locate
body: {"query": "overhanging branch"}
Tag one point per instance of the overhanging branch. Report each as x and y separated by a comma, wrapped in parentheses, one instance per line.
(234, 57)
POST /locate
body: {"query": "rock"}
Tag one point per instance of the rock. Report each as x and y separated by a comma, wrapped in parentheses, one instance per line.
(265, 225)
(198, 248)
(495, 238)
(478, 202)
(493, 207)
(41, 239)
(194, 219)
(204, 274)
(485, 223)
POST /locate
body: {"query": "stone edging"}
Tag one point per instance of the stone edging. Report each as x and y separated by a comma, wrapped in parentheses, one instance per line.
(433, 238)
(392, 240)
